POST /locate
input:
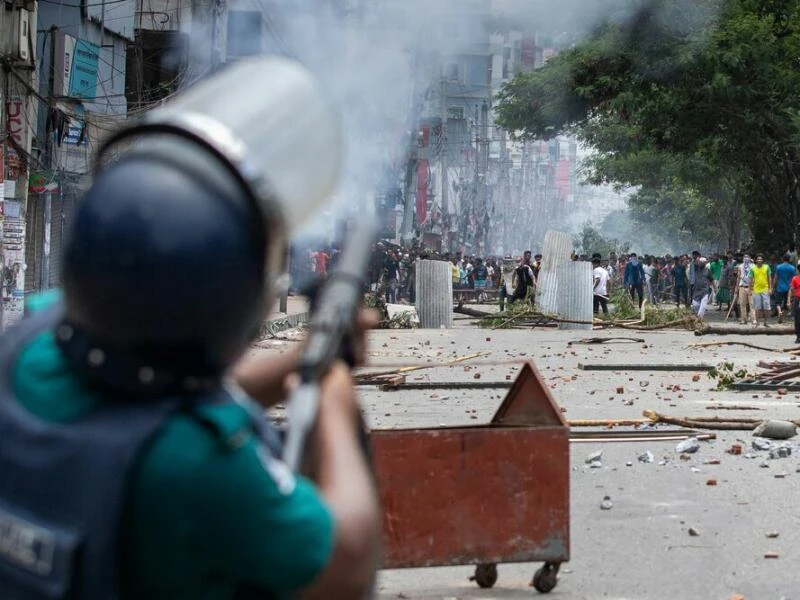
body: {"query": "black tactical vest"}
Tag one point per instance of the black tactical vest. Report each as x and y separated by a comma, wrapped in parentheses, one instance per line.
(63, 486)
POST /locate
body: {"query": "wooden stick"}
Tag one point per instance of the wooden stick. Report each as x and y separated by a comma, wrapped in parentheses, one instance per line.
(733, 302)
(711, 330)
(734, 424)
(367, 376)
(604, 340)
(712, 344)
(608, 422)
(731, 407)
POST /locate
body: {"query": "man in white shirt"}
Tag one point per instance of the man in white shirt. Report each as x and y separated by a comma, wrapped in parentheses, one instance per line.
(600, 287)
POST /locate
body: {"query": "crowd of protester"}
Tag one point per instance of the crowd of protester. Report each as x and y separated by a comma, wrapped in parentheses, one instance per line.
(751, 288)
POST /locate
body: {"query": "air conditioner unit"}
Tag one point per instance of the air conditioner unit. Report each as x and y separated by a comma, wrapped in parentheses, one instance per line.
(24, 35)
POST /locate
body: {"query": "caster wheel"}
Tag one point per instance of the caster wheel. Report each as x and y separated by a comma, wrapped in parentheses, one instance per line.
(546, 578)
(485, 575)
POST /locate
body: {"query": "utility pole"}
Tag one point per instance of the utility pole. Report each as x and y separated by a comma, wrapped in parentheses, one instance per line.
(50, 151)
(445, 149)
(219, 23)
(483, 173)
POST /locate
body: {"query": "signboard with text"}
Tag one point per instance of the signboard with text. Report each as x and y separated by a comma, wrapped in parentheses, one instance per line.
(76, 67)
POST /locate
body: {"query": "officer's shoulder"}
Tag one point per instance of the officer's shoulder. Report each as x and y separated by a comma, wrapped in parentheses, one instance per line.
(221, 417)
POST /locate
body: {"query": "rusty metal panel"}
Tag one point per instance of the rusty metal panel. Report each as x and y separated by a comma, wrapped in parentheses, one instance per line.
(529, 402)
(575, 285)
(473, 495)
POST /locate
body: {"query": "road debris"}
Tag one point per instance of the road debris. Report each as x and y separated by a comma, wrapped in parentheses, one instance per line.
(770, 555)
(761, 444)
(776, 430)
(647, 457)
(606, 366)
(780, 452)
(735, 449)
(772, 534)
(595, 457)
(606, 504)
(711, 482)
(689, 446)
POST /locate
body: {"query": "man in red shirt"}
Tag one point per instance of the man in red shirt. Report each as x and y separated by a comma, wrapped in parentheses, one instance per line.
(794, 288)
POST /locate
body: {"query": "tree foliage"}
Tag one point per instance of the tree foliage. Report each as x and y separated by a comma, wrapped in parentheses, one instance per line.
(696, 103)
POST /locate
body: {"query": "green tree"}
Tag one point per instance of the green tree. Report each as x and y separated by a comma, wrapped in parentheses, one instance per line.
(590, 241)
(696, 103)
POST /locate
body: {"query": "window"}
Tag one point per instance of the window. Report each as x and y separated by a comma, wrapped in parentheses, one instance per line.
(455, 112)
(452, 72)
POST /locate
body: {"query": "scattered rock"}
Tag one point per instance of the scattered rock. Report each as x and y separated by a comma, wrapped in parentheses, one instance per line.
(620, 390)
(688, 446)
(764, 465)
(770, 555)
(776, 430)
(761, 444)
(735, 449)
(647, 457)
(476, 376)
(780, 475)
(594, 457)
(629, 464)
(695, 378)
(712, 461)
(693, 532)
(782, 391)
(711, 482)
(772, 534)
(606, 504)
(780, 452)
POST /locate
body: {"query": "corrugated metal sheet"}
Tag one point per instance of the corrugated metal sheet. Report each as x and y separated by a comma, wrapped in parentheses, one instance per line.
(434, 294)
(575, 294)
(557, 250)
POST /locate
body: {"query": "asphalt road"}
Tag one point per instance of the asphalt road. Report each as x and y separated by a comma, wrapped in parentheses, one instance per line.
(641, 549)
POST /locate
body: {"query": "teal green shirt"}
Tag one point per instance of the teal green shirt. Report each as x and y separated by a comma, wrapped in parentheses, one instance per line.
(202, 520)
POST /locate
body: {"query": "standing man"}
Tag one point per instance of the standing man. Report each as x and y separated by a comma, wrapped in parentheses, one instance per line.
(715, 266)
(745, 291)
(680, 282)
(761, 285)
(523, 278)
(600, 287)
(794, 286)
(391, 274)
(703, 287)
(781, 282)
(634, 278)
(692, 271)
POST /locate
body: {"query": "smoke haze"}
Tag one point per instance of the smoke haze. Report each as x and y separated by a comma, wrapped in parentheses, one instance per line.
(381, 61)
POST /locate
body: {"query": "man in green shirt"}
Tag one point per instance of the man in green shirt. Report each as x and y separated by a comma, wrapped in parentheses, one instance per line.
(715, 266)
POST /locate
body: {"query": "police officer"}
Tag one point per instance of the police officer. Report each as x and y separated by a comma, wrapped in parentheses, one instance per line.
(134, 460)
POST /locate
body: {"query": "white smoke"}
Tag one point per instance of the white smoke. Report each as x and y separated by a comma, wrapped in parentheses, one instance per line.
(381, 61)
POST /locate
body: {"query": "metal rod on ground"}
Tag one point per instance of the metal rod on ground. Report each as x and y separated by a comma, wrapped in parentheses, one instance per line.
(642, 367)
